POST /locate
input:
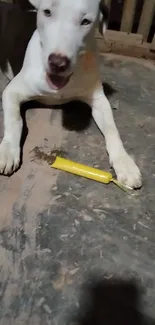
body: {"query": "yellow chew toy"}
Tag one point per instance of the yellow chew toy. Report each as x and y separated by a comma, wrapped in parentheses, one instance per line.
(85, 171)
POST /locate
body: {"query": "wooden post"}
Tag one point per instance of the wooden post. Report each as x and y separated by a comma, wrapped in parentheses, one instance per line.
(146, 18)
(152, 47)
(128, 15)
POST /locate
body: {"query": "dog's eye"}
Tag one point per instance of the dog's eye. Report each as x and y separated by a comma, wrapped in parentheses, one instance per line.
(47, 12)
(85, 22)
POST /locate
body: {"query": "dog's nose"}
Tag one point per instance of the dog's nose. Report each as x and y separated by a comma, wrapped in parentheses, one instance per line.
(58, 63)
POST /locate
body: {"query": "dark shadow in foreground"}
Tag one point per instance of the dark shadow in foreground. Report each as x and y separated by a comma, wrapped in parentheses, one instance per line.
(111, 302)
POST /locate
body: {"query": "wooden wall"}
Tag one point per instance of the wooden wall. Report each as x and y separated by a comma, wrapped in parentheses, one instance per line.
(131, 29)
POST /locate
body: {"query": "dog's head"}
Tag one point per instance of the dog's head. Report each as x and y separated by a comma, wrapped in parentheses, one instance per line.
(64, 27)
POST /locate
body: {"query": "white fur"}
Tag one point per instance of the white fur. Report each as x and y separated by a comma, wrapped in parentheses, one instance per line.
(62, 33)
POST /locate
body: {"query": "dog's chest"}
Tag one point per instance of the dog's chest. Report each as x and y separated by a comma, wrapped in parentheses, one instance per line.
(62, 96)
(55, 99)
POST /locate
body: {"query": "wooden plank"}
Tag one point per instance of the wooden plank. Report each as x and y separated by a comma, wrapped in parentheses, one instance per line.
(112, 35)
(146, 18)
(122, 48)
(152, 46)
(128, 15)
(124, 37)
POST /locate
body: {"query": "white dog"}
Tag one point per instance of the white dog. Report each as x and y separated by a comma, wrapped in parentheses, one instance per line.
(60, 65)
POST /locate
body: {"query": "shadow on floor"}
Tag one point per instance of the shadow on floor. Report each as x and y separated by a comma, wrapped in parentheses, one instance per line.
(79, 118)
(76, 116)
(110, 302)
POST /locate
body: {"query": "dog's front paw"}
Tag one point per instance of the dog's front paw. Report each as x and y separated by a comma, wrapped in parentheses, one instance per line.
(127, 171)
(9, 158)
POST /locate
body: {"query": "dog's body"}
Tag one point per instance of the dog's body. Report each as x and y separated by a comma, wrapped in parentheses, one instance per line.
(60, 67)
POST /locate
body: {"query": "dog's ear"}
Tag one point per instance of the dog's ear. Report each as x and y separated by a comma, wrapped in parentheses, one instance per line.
(103, 17)
(35, 3)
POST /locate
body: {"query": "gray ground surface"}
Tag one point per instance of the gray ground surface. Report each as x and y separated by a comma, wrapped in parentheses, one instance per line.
(59, 231)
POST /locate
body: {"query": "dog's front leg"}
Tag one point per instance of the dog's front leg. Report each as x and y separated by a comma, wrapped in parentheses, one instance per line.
(126, 170)
(14, 94)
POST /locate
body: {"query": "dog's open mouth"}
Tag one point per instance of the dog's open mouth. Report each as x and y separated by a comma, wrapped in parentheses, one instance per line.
(56, 81)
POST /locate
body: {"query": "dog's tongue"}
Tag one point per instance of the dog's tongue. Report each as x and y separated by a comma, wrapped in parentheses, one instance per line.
(57, 81)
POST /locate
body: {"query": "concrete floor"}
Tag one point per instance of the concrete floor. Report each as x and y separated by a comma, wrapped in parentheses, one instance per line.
(73, 251)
